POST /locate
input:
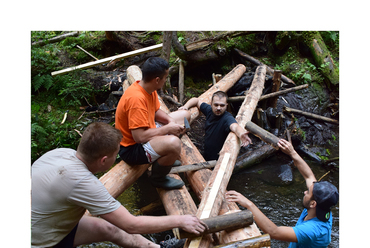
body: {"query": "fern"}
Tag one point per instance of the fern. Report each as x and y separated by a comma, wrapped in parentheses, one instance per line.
(36, 129)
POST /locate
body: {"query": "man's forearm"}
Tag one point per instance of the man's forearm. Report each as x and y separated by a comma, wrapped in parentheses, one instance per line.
(303, 168)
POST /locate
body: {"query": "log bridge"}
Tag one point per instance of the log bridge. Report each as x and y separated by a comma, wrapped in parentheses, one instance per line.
(209, 186)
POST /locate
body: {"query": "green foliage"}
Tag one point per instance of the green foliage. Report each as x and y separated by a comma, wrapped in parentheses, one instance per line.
(300, 71)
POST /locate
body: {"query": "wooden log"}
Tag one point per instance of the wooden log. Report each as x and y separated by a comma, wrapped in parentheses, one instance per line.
(310, 115)
(194, 167)
(253, 157)
(228, 222)
(284, 78)
(181, 82)
(214, 193)
(134, 74)
(107, 60)
(275, 88)
(264, 135)
(321, 55)
(281, 92)
(55, 39)
(255, 242)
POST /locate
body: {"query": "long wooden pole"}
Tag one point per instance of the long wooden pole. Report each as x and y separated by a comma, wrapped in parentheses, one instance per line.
(310, 115)
(107, 60)
(214, 193)
(278, 93)
(259, 63)
(264, 135)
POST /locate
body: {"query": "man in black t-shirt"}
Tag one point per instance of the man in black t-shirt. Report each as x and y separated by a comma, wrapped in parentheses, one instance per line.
(219, 123)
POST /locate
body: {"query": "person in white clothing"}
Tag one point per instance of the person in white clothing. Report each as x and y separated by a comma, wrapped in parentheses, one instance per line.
(64, 187)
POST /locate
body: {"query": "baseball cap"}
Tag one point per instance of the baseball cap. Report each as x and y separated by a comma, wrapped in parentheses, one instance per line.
(326, 196)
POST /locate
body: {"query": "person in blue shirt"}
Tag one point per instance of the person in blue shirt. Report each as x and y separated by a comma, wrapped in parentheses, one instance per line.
(313, 228)
(219, 123)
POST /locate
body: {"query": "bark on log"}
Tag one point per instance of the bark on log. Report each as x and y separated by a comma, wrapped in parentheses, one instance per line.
(194, 167)
(258, 63)
(203, 43)
(228, 222)
(192, 56)
(216, 187)
(281, 92)
(55, 39)
(264, 135)
(107, 60)
(253, 157)
(181, 82)
(275, 88)
(310, 115)
(167, 40)
(321, 55)
(255, 242)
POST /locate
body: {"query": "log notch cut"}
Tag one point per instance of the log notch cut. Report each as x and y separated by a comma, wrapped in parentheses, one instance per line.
(255, 242)
(213, 195)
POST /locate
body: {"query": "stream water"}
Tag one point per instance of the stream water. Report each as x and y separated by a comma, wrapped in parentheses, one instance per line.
(279, 200)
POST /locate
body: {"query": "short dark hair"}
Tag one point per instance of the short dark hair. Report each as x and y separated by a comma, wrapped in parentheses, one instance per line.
(99, 139)
(154, 67)
(220, 94)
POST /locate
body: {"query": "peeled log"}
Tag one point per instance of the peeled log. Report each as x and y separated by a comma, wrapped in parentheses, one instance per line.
(213, 195)
(226, 222)
(255, 242)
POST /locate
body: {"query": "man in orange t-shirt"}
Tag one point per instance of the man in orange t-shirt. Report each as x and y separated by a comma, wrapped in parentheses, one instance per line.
(143, 141)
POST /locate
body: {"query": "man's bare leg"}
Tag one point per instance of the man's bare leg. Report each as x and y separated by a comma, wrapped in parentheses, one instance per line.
(92, 229)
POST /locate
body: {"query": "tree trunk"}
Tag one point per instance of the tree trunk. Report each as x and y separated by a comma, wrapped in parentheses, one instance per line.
(228, 222)
(167, 40)
(258, 63)
(275, 88)
(181, 82)
(321, 55)
(213, 194)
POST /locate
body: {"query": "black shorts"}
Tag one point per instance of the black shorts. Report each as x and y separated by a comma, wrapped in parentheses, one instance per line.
(133, 155)
(67, 242)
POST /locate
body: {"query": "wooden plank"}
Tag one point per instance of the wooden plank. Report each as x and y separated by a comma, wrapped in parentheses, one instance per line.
(107, 60)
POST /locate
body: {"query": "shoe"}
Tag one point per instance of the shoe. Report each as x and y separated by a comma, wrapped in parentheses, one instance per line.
(172, 242)
(160, 178)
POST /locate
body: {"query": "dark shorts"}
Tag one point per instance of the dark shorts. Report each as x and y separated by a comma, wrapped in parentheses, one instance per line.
(133, 155)
(67, 242)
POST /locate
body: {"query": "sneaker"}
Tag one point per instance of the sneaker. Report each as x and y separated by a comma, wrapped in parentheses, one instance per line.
(172, 242)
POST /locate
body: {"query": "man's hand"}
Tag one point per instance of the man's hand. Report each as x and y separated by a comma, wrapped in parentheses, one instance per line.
(245, 140)
(286, 147)
(233, 196)
(175, 129)
(192, 224)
